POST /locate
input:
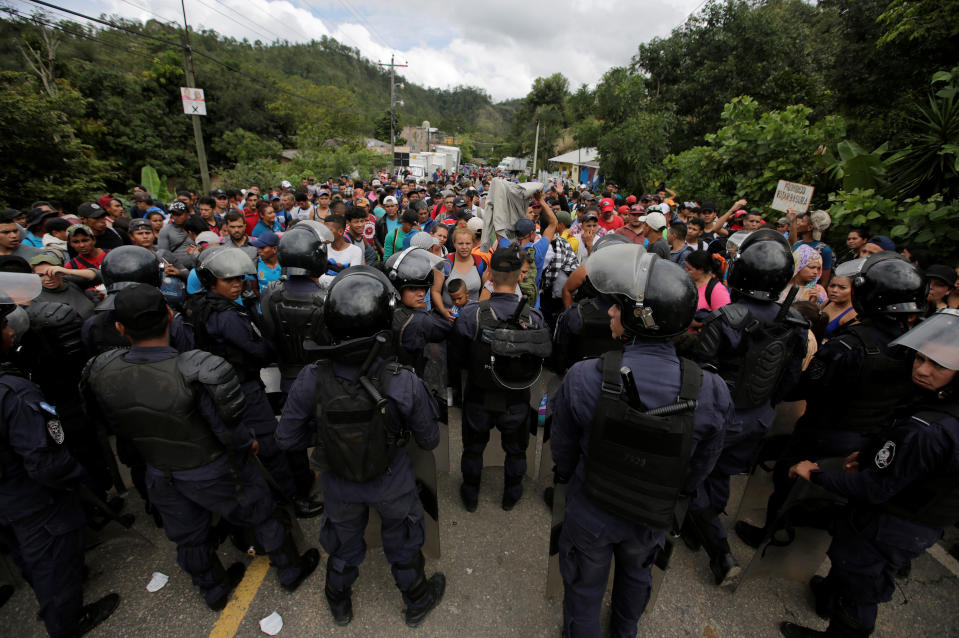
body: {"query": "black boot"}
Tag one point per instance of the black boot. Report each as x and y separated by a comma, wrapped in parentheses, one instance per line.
(823, 595)
(725, 569)
(341, 605)
(548, 497)
(231, 578)
(429, 593)
(95, 613)
(469, 502)
(306, 508)
(752, 535)
(792, 630)
(690, 534)
(308, 562)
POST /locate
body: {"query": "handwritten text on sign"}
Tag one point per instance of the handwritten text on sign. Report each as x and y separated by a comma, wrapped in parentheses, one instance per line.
(193, 101)
(792, 195)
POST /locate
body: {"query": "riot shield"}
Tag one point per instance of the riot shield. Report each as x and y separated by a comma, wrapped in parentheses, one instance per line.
(794, 550)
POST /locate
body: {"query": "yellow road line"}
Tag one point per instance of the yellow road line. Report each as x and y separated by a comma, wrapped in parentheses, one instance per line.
(232, 615)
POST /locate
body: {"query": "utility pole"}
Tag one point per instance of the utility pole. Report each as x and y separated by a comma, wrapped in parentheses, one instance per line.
(535, 148)
(191, 83)
(392, 66)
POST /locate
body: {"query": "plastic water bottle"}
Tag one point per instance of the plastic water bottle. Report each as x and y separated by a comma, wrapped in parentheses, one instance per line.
(541, 412)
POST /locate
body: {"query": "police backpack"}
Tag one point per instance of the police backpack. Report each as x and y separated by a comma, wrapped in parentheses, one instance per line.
(351, 424)
(508, 352)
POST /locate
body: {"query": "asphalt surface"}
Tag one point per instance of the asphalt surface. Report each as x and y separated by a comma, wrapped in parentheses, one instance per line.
(495, 565)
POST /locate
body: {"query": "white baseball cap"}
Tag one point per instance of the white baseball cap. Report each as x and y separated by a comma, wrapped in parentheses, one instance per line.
(475, 224)
(286, 184)
(655, 220)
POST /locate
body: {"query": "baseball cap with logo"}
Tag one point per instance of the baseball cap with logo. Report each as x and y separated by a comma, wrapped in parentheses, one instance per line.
(140, 224)
(606, 204)
(266, 238)
(91, 210)
(176, 208)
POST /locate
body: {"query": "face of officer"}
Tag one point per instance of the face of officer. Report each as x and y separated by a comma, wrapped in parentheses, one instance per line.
(929, 375)
(229, 287)
(615, 321)
(414, 297)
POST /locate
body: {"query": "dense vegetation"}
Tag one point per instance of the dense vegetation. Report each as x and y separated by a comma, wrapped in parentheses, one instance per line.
(857, 97)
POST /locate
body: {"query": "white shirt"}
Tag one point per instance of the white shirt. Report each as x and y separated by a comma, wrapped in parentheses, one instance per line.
(351, 255)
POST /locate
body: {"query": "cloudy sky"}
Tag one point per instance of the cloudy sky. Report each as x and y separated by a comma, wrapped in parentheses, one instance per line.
(498, 45)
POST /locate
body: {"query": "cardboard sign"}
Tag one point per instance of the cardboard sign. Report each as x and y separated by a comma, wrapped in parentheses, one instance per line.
(193, 101)
(792, 195)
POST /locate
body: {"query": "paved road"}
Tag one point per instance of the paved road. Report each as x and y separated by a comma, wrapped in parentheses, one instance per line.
(495, 563)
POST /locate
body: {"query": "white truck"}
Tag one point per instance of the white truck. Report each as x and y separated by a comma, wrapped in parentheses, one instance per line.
(429, 162)
(513, 165)
(453, 156)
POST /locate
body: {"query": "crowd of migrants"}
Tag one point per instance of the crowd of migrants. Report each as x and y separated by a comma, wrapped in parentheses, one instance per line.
(677, 329)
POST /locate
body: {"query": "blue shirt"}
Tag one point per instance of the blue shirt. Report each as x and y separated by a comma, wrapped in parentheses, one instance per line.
(265, 274)
(33, 240)
(261, 228)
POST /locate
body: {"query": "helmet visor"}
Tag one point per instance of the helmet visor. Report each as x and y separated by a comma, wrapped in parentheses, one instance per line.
(849, 268)
(619, 269)
(19, 287)
(230, 262)
(937, 338)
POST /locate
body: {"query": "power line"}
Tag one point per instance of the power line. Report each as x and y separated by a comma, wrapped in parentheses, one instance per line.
(225, 65)
(86, 36)
(278, 38)
(363, 20)
(257, 7)
(166, 20)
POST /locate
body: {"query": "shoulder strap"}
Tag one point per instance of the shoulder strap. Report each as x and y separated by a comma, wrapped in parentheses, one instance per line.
(709, 291)
(690, 380)
(484, 312)
(864, 335)
(610, 363)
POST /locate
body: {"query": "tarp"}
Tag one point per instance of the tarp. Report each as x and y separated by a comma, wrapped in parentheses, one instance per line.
(506, 203)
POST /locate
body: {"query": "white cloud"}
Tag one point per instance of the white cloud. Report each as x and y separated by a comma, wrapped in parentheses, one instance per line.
(500, 46)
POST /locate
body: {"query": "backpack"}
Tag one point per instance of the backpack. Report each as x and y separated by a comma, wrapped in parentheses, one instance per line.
(477, 261)
(352, 427)
(528, 285)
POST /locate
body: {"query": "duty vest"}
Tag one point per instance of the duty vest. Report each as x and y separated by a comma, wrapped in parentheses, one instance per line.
(754, 371)
(638, 461)
(294, 319)
(154, 407)
(507, 356)
(594, 337)
(201, 308)
(880, 386)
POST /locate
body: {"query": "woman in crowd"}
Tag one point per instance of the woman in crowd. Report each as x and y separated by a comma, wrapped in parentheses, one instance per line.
(461, 264)
(705, 271)
(806, 275)
(838, 309)
(855, 240)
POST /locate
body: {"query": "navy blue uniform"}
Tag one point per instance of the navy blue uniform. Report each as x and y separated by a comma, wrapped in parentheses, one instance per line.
(569, 336)
(829, 387)
(880, 535)
(187, 498)
(45, 520)
(232, 330)
(484, 410)
(591, 536)
(180, 337)
(393, 495)
(746, 429)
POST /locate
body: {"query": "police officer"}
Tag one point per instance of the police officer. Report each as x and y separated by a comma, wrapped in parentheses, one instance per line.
(856, 379)
(757, 346)
(497, 395)
(120, 267)
(36, 472)
(903, 488)
(634, 434)
(196, 444)
(292, 313)
(582, 330)
(380, 403)
(293, 308)
(414, 326)
(226, 328)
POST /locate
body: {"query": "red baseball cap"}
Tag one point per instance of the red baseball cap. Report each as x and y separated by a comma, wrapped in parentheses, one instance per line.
(623, 210)
(631, 200)
(606, 204)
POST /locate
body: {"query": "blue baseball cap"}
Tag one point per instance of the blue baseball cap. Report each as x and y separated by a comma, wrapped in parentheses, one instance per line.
(524, 226)
(266, 238)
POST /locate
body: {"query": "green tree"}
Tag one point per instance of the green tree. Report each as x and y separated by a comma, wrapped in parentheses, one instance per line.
(244, 146)
(544, 104)
(45, 157)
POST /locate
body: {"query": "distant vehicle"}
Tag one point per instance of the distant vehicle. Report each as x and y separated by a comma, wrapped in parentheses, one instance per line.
(513, 165)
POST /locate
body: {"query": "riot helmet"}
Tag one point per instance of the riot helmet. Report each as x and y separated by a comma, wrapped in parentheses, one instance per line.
(225, 263)
(762, 267)
(657, 298)
(130, 264)
(884, 284)
(937, 337)
(17, 288)
(412, 268)
(359, 303)
(603, 242)
(302, 249)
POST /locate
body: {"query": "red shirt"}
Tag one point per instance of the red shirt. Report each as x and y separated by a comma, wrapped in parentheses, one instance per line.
(84, 263)
(614, 222)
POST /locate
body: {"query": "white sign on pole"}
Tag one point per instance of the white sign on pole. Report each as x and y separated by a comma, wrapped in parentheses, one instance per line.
(792, 195)
(193, 101)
